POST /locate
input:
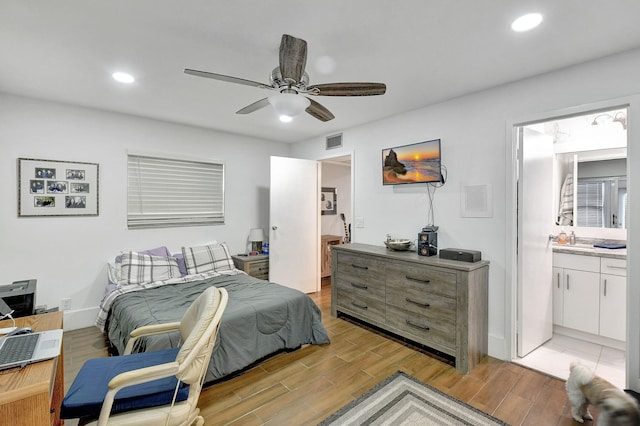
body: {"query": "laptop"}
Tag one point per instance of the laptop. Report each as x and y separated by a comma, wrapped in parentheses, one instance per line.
(23, 349)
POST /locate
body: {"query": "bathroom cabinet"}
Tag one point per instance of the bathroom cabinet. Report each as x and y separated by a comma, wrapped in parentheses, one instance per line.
(613, 298)
(590, 294)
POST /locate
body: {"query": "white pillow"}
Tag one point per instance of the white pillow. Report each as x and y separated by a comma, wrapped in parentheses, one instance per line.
(212, 257)
(137, 268)
(113, 272)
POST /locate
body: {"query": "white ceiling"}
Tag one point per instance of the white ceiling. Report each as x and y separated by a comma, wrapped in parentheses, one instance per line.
(424, 50)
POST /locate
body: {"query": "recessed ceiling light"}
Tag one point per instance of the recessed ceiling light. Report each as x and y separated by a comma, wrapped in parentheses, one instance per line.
(123, 77)
(526, 22)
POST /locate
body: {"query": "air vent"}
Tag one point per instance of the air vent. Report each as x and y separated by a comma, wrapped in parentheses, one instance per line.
(334, 141)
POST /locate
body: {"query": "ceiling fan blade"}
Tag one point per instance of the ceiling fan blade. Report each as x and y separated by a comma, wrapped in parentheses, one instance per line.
(254, 106)
(293, 58)
(348, 89)
(318, 111)
(226, 78)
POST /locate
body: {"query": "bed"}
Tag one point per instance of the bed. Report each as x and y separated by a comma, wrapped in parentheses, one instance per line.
(261, 318)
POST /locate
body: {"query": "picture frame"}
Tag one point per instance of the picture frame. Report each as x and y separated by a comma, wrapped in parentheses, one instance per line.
(328, 201)
(57, 188)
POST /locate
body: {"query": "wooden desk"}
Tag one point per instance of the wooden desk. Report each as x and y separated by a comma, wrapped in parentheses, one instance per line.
(32, 396)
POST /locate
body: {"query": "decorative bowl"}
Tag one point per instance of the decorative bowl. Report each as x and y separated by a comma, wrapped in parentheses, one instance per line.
(399, 244)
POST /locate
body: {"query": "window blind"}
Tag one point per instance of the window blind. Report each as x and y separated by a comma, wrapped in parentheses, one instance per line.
(164, 192)
(591, 203)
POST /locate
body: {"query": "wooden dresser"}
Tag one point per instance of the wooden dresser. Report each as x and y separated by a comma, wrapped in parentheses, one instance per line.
(441, 304)
(256, 266)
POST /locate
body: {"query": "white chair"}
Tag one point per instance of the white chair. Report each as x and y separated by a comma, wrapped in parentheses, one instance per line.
(109, 386)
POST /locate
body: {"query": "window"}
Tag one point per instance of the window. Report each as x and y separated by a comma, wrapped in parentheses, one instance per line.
(602, 202)
(164, 192)
(591, 204)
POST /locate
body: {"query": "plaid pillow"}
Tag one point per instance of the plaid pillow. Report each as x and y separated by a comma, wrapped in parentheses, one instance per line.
(137, 268)
(212, 257)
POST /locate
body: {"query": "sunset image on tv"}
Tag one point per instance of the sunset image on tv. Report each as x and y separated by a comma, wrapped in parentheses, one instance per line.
(416, 163)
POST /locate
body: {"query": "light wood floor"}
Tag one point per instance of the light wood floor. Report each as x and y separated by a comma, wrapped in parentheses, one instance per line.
(307, 385)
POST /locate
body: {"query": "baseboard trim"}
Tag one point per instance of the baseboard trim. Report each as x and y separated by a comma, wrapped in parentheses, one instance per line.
(588, 337)
(80, 318)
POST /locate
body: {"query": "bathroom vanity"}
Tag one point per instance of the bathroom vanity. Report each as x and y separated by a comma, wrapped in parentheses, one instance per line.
(590, 290)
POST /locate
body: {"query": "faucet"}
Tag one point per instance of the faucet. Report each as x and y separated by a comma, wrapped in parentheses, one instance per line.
(388, 237)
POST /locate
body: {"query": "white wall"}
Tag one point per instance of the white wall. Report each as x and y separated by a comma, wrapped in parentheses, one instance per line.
(67, 255)
(475, 142)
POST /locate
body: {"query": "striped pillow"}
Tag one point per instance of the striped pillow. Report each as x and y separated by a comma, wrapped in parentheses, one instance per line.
(137, 268)
(212, 257)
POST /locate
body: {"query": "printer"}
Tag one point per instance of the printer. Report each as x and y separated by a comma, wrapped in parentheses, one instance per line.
(20, 296)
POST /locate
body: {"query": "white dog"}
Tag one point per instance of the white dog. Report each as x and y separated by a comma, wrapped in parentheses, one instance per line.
(615, 407)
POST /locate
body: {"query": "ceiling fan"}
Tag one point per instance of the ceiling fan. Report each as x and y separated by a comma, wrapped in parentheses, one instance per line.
(291, 82)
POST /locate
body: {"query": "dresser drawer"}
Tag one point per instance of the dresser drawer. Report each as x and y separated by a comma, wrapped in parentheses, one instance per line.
(258, 268)
(405, 277)
(361, 286)
(613, 266)
(432, 306)
(576, 261)
(361, 306)
(424, 329)
(360, 268)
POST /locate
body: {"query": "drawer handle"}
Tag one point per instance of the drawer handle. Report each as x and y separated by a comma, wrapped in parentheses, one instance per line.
(361, 286)
(420, 280)
(616, 267)
(567, 281)
(605, 288)
(359, 267)
(558, 279)
(413, 324)
(422, 304)
(358, 305)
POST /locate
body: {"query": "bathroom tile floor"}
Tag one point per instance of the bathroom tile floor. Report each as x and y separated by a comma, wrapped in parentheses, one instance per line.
(555, 356)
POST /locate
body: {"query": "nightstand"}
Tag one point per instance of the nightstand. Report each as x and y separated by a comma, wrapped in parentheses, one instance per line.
(256, 266)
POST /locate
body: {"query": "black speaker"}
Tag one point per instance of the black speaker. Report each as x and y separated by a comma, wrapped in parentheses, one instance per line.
(428, 243)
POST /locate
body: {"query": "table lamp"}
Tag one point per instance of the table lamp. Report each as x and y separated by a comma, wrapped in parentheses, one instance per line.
(256, 236)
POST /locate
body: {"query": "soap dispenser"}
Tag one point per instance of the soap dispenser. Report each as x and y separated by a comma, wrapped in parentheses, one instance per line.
(562, 237)
(572, 238)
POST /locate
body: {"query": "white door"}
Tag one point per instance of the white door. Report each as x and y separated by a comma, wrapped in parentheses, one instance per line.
(294, 216)
(535, 223)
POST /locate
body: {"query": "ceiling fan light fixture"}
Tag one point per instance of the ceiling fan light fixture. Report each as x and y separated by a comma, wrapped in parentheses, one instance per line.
(288, 105)
(526, 22)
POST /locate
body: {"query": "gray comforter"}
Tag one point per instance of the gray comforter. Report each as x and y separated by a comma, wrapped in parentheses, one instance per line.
(261, 318)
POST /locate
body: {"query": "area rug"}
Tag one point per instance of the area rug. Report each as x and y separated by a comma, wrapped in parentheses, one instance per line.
(404, 400)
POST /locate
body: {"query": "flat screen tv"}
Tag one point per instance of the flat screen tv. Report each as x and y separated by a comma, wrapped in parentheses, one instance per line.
(415, 163)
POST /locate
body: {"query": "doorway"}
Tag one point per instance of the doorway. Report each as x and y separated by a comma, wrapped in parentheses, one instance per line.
(582, 143)
(336, 212)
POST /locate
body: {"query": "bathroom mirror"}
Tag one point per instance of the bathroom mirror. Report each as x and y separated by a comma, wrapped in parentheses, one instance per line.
(590, 168)
(598, 197)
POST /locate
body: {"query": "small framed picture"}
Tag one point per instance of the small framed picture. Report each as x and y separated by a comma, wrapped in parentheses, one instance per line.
(57, 188)
(328, 201)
